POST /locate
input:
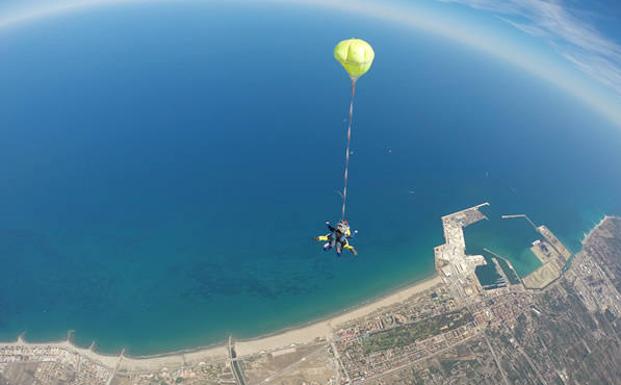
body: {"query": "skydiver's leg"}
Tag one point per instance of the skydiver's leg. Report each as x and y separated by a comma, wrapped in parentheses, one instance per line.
(339, 248)
(351, 249)
(332, 240)
(326, 246)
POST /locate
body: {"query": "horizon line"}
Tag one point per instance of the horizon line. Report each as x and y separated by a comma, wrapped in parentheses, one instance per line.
(588, 92)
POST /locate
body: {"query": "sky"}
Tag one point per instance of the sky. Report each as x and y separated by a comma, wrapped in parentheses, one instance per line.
(574, 44)
(569, 28)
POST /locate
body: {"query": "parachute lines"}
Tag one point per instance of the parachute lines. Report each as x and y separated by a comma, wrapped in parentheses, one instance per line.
(347, 148)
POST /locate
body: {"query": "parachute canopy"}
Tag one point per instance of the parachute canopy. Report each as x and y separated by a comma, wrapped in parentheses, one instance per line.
(355, 55)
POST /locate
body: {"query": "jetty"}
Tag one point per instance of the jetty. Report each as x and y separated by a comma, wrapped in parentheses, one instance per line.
(455, 267)
(235, 368)
(550, 251)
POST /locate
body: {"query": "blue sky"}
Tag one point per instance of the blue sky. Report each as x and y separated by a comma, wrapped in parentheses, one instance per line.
(576, 32)
(574, 44)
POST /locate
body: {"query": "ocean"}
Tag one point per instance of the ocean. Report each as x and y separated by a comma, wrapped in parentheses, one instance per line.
(164, 169)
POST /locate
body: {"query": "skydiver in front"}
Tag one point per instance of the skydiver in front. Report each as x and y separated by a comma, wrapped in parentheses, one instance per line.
(338, 238)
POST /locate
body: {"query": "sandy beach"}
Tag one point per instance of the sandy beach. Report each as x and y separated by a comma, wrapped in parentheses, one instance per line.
(300, 335)
(308, 333)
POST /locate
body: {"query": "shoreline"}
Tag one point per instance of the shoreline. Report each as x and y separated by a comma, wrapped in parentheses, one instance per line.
(323, 327)
(306, 333)
(588, 235)
(318, 329)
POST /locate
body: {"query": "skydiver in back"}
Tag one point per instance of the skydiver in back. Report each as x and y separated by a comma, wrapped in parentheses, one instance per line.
(338, 238)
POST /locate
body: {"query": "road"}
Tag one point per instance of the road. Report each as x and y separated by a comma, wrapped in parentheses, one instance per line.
(237, 373)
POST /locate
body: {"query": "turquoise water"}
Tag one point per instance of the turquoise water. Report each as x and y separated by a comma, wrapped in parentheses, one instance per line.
(165, 168)
(510, 239)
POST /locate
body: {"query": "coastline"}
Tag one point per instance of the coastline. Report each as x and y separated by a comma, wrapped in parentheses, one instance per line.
(588, 235)
(303, 334)
(320, 329)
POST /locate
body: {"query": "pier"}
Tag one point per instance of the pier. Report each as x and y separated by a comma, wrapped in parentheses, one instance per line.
(504, 273)
(237, 372)
(524, 216)
(454, 266)
(552, 254)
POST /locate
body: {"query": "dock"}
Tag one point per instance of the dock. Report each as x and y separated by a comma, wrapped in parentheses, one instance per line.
(235, 368)
(523, 216)
(454, 266)
(497, 257)
(550, 251)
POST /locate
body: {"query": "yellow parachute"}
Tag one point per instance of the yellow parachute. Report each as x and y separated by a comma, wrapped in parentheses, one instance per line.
(355, 55)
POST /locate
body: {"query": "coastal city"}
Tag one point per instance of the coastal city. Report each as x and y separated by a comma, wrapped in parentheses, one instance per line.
(561, 324)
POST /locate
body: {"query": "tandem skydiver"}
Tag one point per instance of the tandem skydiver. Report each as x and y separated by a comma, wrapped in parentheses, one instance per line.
(338, 238)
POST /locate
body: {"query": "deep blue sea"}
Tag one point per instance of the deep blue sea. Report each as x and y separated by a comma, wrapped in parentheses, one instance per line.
(164, 169)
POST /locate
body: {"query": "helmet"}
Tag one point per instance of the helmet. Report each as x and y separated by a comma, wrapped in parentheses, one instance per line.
(343, 226)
